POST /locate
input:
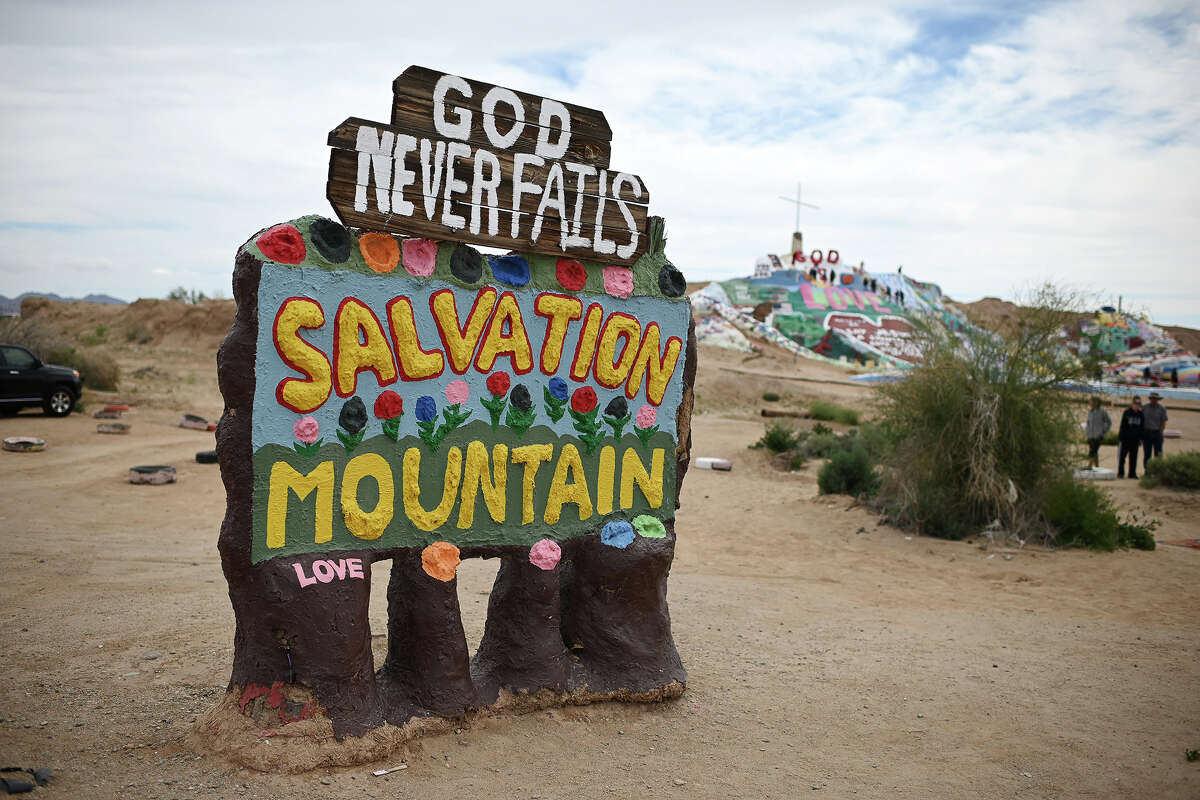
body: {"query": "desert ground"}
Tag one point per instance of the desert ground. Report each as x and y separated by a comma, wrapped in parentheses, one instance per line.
(826, 652)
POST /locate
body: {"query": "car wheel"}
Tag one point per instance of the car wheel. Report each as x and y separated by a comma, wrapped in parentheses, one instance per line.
(58, 403)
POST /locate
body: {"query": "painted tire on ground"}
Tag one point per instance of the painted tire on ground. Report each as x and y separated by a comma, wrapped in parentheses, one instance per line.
(113, 427)
(206, 457)
(106, 413)
(118, 407)
(24, 444)
(152, 474)
(194, 422)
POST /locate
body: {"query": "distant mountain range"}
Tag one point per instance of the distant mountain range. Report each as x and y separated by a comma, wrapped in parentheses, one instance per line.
(11, 306)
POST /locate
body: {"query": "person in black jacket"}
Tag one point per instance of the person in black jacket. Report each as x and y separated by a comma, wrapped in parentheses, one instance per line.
(1130, 436)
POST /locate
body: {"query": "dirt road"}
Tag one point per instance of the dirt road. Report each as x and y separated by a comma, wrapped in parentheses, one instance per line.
(826, 652)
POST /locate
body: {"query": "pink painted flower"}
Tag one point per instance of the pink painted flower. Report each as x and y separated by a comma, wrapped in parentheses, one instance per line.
(457, 391)
(646, 416)
(306, 430)
(618, 281)
(419, 256)
(545, 554)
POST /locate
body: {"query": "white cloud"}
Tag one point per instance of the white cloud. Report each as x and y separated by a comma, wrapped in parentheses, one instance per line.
(981, 151)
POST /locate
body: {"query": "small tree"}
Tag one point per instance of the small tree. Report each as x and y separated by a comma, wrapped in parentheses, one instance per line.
(981, 426)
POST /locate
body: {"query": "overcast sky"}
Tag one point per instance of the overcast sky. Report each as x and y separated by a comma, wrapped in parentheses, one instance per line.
(984, 146)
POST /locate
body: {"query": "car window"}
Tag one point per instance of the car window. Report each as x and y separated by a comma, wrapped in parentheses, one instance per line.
(17, 357)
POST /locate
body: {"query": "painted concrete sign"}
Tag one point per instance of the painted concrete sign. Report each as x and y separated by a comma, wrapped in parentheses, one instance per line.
(439, 395)
(393, 394)
(480, 163)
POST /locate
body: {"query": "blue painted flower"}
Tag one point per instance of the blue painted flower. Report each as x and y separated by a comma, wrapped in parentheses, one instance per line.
(617, 533)
(426, 409)
(510, 269)
(558, 388)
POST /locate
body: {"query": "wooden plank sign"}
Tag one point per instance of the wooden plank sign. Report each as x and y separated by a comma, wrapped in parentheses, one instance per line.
(472, 162)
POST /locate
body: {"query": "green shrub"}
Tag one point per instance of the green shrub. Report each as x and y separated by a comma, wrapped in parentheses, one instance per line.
(98, 369)
(797, 461)
(832, 412)
(138, 333)
(98, 335)
(778, 438)
(1084, 516)
(850, 471)
(980, 427)
(1179, 471)
(771, 397)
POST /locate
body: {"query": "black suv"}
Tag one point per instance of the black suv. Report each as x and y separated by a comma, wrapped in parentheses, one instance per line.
(26, 381)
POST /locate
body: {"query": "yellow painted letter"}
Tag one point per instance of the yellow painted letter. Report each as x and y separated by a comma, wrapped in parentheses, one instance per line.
(477, 477)
(284, 480)
(532, 456)
(660, 369)
(514, 344)
(415, 363)
(560, 310)
(562, 492)
(651, 484)
(364, 524)
(301, 395)
(351, 356)
(435, 518)
(461, 342)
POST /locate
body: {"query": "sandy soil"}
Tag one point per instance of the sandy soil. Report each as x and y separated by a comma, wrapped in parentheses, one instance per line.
(826, 652)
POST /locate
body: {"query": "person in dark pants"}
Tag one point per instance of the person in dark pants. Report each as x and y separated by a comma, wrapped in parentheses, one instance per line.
(1154, 420)
(1130, 436)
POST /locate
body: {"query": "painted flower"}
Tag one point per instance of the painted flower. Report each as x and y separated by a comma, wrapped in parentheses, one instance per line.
(650, 527)
(498, 383)
(671, 281)
(306, 430)
(520, 398)
(646, 416)
(558, 388)
(426, 409)
(617, 407)
(419, 256)
(466, 264)
(354, 415)
(571, 274)
(545, 554)
(440, 560)
(618, 281)
(511, 269)
(616, 415)
(389, 405)
(520, 409)
(457, 391)
(617, 533)
(282, 243)
(644, 425)
(352, 420)
(584, 400)
(497, 386)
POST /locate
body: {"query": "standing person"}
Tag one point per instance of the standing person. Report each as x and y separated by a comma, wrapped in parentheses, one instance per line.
(1098, 426)
(1130, 436)
(1174, 376)
(1154, 420)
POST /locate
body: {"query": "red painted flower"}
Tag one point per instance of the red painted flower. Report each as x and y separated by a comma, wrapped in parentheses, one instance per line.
(283, 244)
(498, 383)
(389, 405)
(584, 399)
(571, 274)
